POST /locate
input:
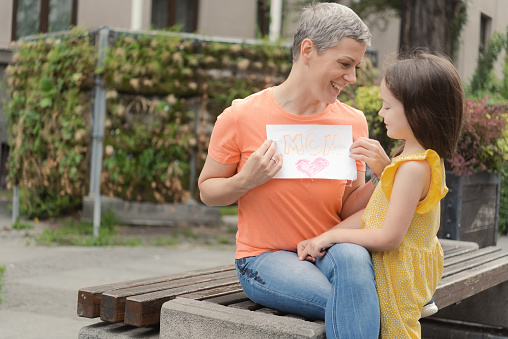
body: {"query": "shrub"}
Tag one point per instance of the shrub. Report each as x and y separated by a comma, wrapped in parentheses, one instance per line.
(484, 81)
(164, 92)
(49, 113)
(483, 145)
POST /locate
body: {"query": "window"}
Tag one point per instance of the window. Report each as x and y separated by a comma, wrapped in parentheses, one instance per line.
(263, 17)
(168, 13)
(485, 25)
(42, 16)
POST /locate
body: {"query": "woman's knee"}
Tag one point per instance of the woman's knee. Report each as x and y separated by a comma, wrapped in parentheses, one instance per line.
(351, 255)
(349, 251)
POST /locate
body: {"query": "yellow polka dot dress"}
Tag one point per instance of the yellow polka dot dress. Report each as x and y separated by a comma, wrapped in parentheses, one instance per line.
(407, 277)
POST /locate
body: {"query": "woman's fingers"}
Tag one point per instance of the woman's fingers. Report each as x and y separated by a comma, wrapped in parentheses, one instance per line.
(262, 164)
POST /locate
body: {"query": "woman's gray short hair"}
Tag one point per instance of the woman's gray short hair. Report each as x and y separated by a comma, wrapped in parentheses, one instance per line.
(325, 24)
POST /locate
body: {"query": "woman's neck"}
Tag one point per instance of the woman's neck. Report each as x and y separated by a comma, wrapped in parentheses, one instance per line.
(297, 99)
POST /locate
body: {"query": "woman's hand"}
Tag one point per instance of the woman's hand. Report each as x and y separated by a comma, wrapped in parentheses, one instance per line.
(261, 166)
(372, 153)
(313, 248)
(220, 185)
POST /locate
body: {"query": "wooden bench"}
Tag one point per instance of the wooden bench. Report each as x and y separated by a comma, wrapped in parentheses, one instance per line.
(468, 272)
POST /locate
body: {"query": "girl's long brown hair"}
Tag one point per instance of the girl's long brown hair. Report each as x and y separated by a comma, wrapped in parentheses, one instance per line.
(430, 89)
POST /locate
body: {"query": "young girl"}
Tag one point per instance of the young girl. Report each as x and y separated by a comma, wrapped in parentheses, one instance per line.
(422, 105)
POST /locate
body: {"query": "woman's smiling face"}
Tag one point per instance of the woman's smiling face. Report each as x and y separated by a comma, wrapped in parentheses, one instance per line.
(332, 70)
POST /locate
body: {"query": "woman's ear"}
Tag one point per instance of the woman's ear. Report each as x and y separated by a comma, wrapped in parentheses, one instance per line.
(306, 50)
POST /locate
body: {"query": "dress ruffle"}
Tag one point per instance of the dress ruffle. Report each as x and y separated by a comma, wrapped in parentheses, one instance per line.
(437, 189)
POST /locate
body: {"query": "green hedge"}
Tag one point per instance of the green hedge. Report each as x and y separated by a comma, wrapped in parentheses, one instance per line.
(49, 118)
(157, 85)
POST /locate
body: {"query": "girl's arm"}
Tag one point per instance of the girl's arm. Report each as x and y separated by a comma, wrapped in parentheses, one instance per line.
(356, 197)
(307, 248)
(410, 186)
(220, 185)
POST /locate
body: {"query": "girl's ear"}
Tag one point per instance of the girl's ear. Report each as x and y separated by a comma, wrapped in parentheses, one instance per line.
(306, 50)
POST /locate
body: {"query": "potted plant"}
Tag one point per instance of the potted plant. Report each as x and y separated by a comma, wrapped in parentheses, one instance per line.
(470, 210)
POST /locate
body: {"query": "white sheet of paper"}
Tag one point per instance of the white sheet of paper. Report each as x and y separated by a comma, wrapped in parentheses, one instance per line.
(314, 151)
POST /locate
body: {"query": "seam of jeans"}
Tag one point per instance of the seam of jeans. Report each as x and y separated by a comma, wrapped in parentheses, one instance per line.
(333, 296)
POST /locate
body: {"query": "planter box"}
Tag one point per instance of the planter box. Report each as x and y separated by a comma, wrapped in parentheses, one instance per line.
(470, 210)
(189, 213)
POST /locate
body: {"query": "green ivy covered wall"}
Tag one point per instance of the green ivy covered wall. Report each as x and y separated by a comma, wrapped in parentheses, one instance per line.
(163, 92)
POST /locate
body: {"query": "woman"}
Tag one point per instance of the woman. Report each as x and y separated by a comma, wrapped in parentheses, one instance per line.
(276, 214)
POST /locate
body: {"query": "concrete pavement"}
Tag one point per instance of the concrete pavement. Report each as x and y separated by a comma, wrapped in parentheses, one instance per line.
(41, 283)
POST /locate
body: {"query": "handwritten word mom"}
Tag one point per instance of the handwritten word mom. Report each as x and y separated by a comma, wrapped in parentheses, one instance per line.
(312, 144)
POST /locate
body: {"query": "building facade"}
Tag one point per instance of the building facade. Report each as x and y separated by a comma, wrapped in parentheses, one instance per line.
(244, 19)
(240, 19)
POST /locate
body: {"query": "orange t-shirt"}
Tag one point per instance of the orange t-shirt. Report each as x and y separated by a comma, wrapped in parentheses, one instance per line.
(282, 212)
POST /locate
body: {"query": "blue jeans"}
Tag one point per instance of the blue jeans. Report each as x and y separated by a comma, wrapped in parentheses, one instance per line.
(338, 288)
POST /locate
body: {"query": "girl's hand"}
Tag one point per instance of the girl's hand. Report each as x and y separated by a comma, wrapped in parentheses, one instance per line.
(314, 247)
(262, 165)
(372, 153)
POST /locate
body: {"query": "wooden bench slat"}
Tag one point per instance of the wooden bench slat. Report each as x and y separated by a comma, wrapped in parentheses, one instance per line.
(144, 310)
(229, 298)
(464, 257)
(89, 298)
(464, 284)
(113, 302)
(453, 248)
(216, 294)
(470, 261)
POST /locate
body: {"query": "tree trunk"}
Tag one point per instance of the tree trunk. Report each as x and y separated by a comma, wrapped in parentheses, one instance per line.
(427, 23)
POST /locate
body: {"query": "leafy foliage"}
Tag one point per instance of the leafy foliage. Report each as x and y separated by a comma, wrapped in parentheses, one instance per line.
(49, 117)
(483, 81)
(18, 225)
(81, 234)
(163, 95)
(484, 142)
(147, 148)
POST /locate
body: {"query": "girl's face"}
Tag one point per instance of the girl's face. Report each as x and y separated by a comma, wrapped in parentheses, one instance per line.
(393, 115)
(332, 70)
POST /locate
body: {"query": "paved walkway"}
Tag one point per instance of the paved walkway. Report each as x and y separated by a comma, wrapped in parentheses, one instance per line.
(41, 283)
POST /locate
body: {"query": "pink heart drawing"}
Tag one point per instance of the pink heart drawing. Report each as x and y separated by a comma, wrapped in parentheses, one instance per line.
(311, 168)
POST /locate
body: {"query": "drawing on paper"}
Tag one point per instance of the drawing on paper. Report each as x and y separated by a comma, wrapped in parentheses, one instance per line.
(310, 168)
(314, 151)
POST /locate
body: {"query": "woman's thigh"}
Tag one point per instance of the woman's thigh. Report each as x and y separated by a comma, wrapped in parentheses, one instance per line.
(281, 281)
(353, 306)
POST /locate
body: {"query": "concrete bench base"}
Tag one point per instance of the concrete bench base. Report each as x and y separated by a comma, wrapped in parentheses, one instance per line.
(154, 214)
(104, 330)
(186, 318)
